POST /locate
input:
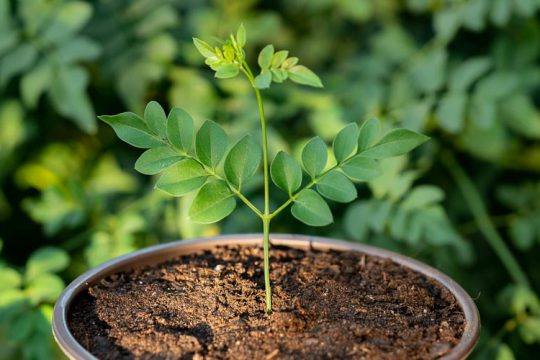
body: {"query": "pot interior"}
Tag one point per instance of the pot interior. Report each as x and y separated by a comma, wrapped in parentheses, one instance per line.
(161, 253)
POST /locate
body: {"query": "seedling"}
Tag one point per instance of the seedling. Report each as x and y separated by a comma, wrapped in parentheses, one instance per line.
(202, 160)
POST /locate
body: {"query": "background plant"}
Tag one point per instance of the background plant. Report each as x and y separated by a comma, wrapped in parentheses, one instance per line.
(398, 61)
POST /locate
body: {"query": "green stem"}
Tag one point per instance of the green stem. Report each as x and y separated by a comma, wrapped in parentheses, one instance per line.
(246, 201)
(266, 246)
(265, 154)
(486, 226)
(266, 214)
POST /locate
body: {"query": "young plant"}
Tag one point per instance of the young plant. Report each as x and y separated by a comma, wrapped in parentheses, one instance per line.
(202, 160)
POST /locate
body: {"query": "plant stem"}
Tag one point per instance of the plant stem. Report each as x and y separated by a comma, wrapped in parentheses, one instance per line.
(486, 226)
(266, 214)
(266, 250)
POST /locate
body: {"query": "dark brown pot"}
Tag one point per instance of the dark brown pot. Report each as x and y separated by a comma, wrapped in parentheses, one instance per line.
(160, 253)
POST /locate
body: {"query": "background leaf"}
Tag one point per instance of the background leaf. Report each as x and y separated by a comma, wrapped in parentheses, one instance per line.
(46, 260)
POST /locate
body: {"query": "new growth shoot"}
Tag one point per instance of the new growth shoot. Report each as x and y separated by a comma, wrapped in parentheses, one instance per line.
(203, 161)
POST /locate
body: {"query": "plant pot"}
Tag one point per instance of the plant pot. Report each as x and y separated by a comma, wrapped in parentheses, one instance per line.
(161, 253)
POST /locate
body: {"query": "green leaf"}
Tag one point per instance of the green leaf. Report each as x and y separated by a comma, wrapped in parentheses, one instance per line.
(368, 134)
(242, 161)
(310, 208)
(279, 75)
(428, 70)
(180, 129)
(204, 48)
(529, 330)
(446, 22)
(422, 196)
(22, 326)
(451, 112)
(46, 260)
(396, 142)
(77, 49)
(182, 178)
(523, 233)
(521, 115)
(227, 71)
(289, 63)
(70, 18)
(278, 58)
(211, 144)
(501, 11)
(361, 168)
(497, 85)
(34, 83)
(265, 57)
(302, 75)
(467, 73)
(68, 92)
(525, 8)
(17, 61)
(314, 156)
(132, 129)
(9, 279)
(356, 220)
(336, 186)
(44, 288)
(504, 353)
(241, 36)
(213, 202)
(263, 80)
(154, 160)
(345, 142)
(156, 119)
(286, 172)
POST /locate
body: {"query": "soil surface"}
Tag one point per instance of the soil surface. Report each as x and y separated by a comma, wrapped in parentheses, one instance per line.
(210, 305)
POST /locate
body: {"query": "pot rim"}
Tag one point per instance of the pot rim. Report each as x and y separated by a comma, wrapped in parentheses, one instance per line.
(162, 252)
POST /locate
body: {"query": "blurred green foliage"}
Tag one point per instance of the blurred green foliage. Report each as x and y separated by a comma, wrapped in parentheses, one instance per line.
(466, 72)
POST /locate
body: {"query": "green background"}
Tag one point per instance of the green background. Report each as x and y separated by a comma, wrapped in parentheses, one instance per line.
(465, 72)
